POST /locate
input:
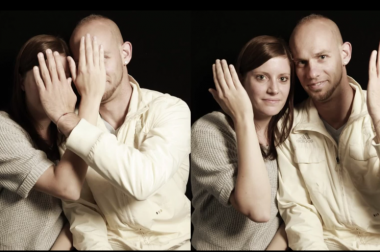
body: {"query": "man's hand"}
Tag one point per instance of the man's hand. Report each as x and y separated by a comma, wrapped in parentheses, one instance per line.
(56, 95)
(373, 90)
(90, 79)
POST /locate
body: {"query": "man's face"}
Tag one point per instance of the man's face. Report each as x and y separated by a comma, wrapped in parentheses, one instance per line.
(318, 60)
(113, 60)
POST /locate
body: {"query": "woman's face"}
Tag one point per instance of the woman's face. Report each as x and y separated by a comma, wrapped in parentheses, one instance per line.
(29, 85)
(268, 87)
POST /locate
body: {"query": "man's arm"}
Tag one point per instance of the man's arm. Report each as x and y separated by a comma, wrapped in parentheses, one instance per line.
(139, 172)
(303, 223)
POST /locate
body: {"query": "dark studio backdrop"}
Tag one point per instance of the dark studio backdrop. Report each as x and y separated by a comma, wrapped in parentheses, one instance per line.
(160, 45)
(221, 35)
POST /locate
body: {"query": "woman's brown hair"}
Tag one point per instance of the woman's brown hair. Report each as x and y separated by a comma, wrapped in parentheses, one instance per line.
(256, 52)
(25, 61)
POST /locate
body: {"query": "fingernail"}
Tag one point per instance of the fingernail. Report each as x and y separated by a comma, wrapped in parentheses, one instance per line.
(56, 53)
(94, 37)
(48, 51)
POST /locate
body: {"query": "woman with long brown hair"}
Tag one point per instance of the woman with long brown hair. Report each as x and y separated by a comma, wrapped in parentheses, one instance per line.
(33, 177)
(233, 160)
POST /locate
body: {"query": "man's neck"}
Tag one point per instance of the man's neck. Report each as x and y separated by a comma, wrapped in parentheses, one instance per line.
(115, 109)
(337, 109)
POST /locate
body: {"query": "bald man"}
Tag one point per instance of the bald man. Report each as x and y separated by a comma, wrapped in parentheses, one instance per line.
(133, 197)
(329, 181)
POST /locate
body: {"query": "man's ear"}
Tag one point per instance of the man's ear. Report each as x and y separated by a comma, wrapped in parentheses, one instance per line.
(126, 52)
(346, 53)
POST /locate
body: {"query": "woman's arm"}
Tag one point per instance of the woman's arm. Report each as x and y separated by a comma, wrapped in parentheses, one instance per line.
(66, 179)
(279, 241)
(252, 192)
(64, 240)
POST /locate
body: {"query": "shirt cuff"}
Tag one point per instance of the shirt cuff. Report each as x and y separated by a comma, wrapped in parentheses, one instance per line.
(82, 140)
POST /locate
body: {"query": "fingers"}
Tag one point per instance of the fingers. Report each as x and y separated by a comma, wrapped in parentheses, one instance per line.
(72, 68)
(215, 95)
(220, 76)
(378, 61)
(101, 58)
(44, 70)
(227, 74)
(372, 65)
(89, 58)
(235, 77)
(37, 77)
(217, 85)
(52, 65)
(82, 54)
(60, 70)
(95, 48)
(69, 80)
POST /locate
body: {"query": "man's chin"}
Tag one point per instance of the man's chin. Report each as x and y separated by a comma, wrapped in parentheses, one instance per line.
(320, 96)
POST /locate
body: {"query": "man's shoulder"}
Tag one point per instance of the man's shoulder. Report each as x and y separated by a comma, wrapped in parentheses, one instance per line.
(156, 98)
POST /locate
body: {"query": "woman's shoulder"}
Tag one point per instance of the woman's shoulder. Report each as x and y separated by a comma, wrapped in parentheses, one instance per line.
(213, 120)
(9, 126)
(214, 125)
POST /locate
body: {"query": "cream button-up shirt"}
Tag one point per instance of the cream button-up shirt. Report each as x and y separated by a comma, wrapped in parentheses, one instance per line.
(134, 193)
(329, 193)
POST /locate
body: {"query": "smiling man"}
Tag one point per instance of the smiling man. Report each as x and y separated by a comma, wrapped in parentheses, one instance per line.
(329, 183)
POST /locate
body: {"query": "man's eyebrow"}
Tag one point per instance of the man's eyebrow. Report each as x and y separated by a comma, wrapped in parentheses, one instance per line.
(322, 53)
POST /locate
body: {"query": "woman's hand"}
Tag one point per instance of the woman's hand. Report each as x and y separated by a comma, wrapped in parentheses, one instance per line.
(229, 93)
(56, 94)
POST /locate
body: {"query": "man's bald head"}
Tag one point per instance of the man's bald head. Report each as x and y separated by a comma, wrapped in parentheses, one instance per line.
(314, 22)
(101, 22)
(117, 53)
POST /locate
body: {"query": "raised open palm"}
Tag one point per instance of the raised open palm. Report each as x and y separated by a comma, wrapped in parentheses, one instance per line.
(229, 93)
(373, 88)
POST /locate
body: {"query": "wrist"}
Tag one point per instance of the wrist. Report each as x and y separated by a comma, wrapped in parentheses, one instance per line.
(91, 98)
(67, 123)
(244, 119)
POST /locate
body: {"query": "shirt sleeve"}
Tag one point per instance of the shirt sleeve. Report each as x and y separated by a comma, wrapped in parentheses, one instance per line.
(303, 224)
(138, 172)
(21, 164)
(214, 157)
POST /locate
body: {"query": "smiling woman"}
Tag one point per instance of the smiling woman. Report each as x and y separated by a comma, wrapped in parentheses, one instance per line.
(233, 161)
